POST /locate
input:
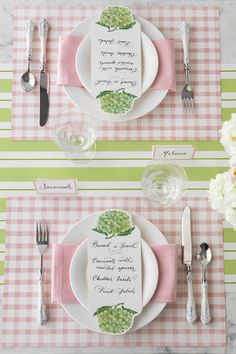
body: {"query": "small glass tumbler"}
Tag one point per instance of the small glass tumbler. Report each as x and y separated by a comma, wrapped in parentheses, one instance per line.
(164, 183)
(75, 133)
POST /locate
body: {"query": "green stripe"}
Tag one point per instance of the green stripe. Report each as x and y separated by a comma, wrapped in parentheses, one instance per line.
(1, 267)
(97, 174)
(2, 236)
(230, 266)
(3, 206)
(113, 145)
(6, 85)
(228, 85)
(5, 114)
(230, 236)
(226, 113)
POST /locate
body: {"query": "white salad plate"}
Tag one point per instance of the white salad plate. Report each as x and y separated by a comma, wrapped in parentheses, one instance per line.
(78, 273)
(145, 104)
(149, 60)
(78, 233)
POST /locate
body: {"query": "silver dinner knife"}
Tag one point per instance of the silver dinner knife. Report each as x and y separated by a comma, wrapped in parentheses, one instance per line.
(44, 78)
(187, 261)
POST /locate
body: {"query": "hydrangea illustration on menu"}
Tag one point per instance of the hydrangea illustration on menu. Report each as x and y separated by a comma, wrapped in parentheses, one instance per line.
(116, 60)
(114, 271)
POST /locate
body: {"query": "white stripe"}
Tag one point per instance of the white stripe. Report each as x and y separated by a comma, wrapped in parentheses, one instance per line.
(99, 185)
(229, 255)
(5, 125)
(1, 256)
(2, 225)
(228, 104)
(1, 282)
(228, 95)
(230, 278)
(5, 66)
(106, 163)
(5, 75)
(5, 134)
(227, 225)
(230, 246)
(103, 155)
(190, 193)
(230, 288)
(228, 75)
(228, 66)
(99, 155)
(2, 216)
(2, 247)
(5, 104)
(5, 96)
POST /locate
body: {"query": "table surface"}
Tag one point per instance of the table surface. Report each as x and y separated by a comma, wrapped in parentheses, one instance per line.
(228, 55)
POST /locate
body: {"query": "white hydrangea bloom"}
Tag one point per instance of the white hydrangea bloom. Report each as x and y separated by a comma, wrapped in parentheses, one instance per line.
(228, 135)
(217, 189)
(230, 214)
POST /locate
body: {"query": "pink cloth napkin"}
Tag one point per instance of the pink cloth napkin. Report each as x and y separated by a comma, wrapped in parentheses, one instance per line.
(67, 75)
(167, 262)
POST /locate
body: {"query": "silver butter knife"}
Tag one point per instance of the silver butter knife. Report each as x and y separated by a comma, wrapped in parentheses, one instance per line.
(44, 78)
(187, 261)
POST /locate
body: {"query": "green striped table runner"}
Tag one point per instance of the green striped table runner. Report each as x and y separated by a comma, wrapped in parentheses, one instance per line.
(117, 167)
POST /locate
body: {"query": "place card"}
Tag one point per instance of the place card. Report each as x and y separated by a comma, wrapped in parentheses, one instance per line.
(58, 186)
(114, 271)
(172, 152)
(116, 59)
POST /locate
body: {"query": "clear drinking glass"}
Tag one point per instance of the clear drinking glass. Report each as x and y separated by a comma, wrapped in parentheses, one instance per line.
(75, 133)
(164, 183)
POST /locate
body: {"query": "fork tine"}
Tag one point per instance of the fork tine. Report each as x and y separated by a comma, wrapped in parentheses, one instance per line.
(37, 232)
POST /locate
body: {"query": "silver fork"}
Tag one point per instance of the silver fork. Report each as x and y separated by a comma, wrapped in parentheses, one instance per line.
(42, 239)
(187, 93)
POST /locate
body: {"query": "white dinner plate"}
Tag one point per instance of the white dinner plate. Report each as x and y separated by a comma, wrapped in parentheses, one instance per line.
(78, 273)
(145, 104)
(149, 62)
(76, 234)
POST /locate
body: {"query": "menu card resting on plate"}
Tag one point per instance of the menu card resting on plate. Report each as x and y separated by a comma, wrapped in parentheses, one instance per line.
(114, 271)
(116, 60)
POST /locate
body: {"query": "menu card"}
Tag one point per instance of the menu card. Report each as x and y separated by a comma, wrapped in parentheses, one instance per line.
(116, 60)
(114, 271)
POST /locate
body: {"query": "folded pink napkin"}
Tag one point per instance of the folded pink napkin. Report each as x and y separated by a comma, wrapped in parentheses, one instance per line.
(61, 257)
(67, 75)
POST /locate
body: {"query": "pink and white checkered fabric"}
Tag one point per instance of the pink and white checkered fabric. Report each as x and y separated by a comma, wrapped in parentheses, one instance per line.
(19, 325)
(167, 121)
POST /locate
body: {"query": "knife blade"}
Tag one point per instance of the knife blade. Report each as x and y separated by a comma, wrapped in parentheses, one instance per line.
(191, 314)
(44, 77)
(186, 237)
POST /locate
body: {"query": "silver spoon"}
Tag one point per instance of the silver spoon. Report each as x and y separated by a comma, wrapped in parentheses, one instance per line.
(28, 79)
(204, 256)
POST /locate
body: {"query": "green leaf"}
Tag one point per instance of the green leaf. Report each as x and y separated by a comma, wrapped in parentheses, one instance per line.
(127, 232)
(130, 25)
(129, 310)
(101, 24)
(99, 231)
(103, 93)
(101, 309)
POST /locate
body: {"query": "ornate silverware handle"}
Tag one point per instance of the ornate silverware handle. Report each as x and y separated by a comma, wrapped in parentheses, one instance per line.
(191, 314)
(205, 308)
(42, 312)
(43, 34)
(185, 33)
(29, 29)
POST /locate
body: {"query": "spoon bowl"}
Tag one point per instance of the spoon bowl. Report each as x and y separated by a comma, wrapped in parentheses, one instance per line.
(27, 81)
(204, 254)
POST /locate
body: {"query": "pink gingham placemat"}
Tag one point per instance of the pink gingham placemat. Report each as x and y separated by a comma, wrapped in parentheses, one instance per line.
(19, 325)
(167, 121)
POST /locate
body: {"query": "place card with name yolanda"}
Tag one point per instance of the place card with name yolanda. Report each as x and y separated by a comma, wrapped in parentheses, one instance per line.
(116, 59)
(114, 271)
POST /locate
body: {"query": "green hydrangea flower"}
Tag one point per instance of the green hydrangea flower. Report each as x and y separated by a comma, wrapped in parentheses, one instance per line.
(114, 319)
(116, 17)
(114, 223)
(116, 102)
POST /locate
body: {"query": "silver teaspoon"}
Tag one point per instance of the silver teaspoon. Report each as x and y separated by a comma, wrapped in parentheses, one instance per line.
(28, 79)
(204, 256)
